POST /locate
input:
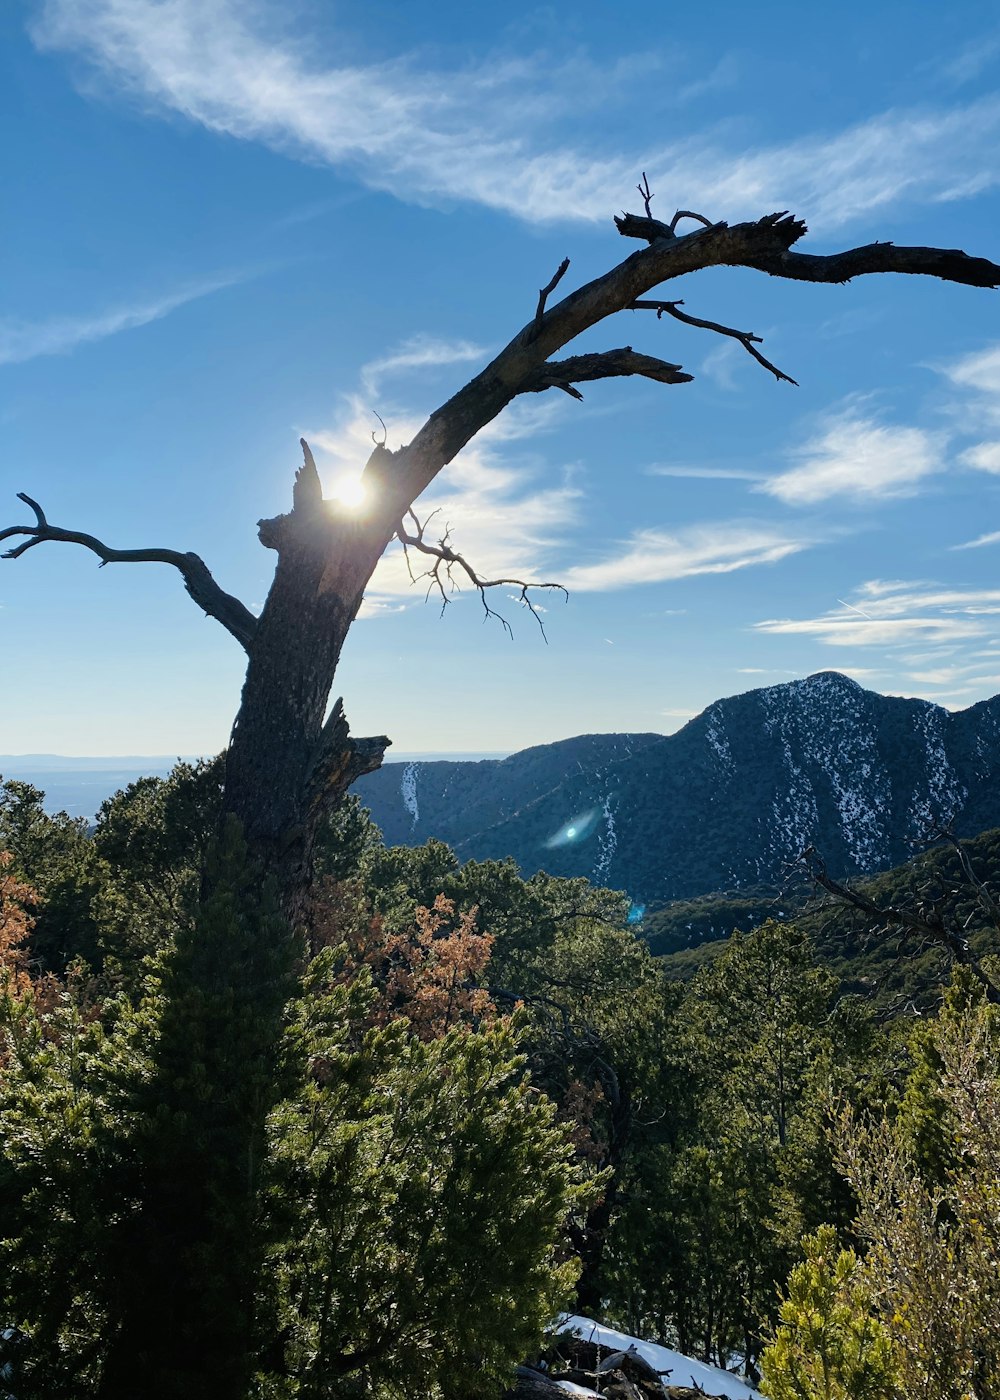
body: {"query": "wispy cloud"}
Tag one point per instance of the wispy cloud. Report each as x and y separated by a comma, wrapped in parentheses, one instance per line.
(984, 457)
(857, 457)
(979, 371)
(657, 556)
(972, 59)
(26, 340)
(890, 614)
(684, 469)
(474, 133)
(419, 352)
(980, 542)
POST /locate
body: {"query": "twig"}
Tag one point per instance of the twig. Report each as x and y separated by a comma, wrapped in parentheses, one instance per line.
(543, 293)
(449, 559)
(646, 193)
(747, 339)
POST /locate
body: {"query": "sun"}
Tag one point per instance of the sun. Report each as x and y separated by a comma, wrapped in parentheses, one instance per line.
(351, 493)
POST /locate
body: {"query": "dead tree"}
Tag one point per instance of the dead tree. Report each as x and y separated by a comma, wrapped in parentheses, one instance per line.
(287, 762)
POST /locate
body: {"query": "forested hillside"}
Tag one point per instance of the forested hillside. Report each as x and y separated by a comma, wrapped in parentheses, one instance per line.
(728, 802)
(882, 958)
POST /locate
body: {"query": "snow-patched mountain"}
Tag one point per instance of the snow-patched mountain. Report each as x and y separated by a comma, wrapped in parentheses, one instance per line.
(730, 800)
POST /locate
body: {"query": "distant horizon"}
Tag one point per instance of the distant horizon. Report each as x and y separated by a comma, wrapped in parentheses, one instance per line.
(56, 762)
(110, 762)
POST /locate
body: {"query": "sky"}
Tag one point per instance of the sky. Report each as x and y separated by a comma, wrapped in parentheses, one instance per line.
(231, 223)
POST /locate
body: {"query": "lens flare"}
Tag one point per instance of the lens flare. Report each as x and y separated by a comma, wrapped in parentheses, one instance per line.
(577, 829)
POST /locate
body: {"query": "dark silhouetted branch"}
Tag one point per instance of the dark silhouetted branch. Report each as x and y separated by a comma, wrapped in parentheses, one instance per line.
(747, 339)
(448, 560)
(950, 264)
(609, 364)
(550, 286)
(339, 760)
(201, 586)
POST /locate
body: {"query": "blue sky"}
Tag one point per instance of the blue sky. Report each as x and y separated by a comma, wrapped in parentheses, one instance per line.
(231, 223)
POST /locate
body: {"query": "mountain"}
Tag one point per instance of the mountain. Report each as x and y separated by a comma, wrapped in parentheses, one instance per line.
(728, 802)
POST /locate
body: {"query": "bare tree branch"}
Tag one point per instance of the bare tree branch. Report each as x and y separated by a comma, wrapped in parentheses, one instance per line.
(608, 364)
(201, 586)
(950, 264)
(550, 286)
(646, 193)
(924, 920)
(447, 560)
(763, 244)
(653, 230)
(747, 339)
(688, 214)
(984, 895)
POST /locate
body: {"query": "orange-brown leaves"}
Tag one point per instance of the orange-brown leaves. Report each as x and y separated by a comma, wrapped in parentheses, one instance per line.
(436, 969)
(430, 972)
(15, 925)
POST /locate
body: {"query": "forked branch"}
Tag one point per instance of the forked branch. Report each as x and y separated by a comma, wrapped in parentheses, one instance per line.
(201, 586)
(747, 339)
(550, 286)
(447, 561)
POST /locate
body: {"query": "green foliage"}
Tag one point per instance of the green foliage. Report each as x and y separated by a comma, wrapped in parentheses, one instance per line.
(688, 924)
(743, 1167)
(68, 1178)
(345, 840)
(422, 1188)
(152, 839)
(226, 1180)
(828, 1344)
(885, 964)
(55, 855)
(932, 1264)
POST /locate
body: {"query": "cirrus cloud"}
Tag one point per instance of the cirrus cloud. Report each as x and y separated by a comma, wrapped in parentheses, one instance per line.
(488, 132)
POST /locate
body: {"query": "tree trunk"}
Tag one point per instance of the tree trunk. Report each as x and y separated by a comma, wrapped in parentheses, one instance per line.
(285, 766)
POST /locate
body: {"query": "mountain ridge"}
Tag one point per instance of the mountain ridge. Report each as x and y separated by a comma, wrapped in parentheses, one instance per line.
(728, 801)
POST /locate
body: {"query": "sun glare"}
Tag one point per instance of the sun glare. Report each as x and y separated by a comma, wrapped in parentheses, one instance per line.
(350, 493)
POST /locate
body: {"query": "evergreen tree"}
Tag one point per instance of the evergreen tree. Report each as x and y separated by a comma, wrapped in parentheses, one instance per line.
(829, 1345)
(55, 855)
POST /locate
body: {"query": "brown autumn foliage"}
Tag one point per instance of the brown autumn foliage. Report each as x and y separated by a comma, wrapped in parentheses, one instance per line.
(430, 972)
(15, 925)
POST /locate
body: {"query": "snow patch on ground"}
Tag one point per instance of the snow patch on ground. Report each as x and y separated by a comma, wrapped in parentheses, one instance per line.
(684, 1370)
(824, 719)
(408, 791)
(607, 843)
(717, 740)
(944, 795)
